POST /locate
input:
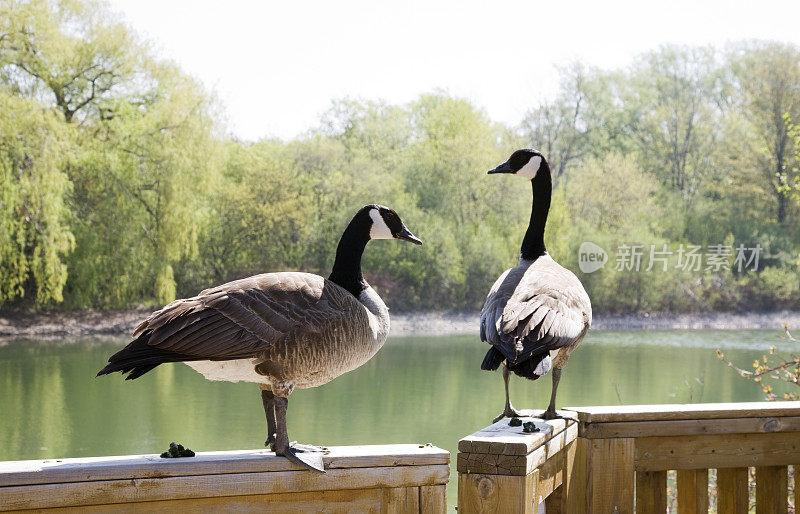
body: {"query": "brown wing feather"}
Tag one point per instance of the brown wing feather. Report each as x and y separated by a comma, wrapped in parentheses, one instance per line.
(242, 318)
(533, 308)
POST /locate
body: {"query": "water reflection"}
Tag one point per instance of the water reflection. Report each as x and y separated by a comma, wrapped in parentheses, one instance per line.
(416, 390)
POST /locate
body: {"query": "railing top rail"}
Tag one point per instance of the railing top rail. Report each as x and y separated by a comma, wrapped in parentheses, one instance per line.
(502, 439)
(28, 472)
(671, 412)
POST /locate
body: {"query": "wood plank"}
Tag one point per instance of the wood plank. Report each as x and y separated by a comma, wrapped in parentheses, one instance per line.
(499, 464)
(692, 491)
(400, 500)
(502, 439)
(577, 480)
(651, 492)
(554, 503)
(733, 494)
(243, 461)
(433, 499)
(610, 475)
(716, 451)
(551, 476)
(771, 490)
(336, 502)
(690, 427)
(598, 414)
(229, 484)
(479, 493)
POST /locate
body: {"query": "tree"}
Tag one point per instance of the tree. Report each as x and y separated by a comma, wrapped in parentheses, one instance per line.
(674, 117)
(34, 216)
(766, 76)
(71, 54)
(558, 128)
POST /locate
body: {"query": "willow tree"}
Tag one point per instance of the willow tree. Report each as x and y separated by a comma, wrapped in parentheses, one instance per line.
(34, 217)
(143, 178)
(72, 54)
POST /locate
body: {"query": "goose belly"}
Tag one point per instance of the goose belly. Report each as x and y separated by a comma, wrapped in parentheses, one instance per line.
(313, 366)
(237, 370)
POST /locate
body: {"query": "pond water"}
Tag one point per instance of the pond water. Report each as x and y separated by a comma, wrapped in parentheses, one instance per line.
(415, 390)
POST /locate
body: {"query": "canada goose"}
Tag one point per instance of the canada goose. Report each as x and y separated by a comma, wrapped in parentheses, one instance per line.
(537, 312)
(280, 330)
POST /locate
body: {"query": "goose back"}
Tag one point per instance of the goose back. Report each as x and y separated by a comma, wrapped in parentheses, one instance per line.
(291, 327)
(533, 308)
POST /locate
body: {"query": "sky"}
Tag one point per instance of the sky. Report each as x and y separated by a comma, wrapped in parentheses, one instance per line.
(277, 65)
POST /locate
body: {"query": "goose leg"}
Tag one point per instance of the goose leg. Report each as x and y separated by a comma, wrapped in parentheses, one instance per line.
(268, 399)
(309, 457)
(509, 411)
(550, 413)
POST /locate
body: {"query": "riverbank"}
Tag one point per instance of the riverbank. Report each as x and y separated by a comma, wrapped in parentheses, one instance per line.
(92, 323)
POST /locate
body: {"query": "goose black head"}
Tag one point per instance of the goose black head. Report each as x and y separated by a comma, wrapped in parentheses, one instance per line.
(524, 163)
(386, 224)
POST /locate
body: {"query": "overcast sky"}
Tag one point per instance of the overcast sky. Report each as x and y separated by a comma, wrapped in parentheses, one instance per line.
(276, 65)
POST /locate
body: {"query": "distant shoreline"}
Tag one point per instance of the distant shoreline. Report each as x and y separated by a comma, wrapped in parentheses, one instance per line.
(97, 323)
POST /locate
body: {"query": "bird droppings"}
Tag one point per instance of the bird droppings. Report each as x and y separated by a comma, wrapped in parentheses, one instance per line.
(177, 450)
(515, 422)
(529, 427)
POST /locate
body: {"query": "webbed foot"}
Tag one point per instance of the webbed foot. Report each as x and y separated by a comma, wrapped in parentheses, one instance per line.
(509, 412)
(552, 414)
(306, 456)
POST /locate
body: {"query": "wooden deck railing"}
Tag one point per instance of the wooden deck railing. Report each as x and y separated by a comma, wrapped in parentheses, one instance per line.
(616, 459)
(390, 478)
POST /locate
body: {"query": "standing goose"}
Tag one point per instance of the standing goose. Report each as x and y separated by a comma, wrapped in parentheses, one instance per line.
(537, 312)
(280, 330)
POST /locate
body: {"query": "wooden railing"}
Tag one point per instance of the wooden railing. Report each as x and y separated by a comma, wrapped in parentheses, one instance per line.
(389, 478)
(617, 460)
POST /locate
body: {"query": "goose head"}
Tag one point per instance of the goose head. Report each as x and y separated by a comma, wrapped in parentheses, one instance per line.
(524, 163)
(384, 223)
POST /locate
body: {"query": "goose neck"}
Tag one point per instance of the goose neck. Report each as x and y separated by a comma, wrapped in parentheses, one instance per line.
(533, 242)
(346, 270)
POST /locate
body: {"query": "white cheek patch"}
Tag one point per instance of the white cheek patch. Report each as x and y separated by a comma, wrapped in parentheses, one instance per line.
(379, 229)
(530, 169)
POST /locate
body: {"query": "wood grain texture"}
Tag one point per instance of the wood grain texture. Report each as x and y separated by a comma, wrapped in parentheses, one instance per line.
(651, 492)
(242, 461)
(551, 476)
(400, 500)
(692, 491)
(577, 478)
(490, 494)
(432, 499)
(502, 464)
(610, 475)
(335, 502)
(604, 414)
(716, 451)
(771, 490)
(502, 439)
(229, 484)
(690, 427)
(733, 495)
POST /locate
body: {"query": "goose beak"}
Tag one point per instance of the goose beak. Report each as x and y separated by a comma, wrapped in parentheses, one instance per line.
(406, 235)
(503, 168)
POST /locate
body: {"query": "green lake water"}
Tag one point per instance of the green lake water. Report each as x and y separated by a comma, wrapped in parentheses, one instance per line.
(415, 390)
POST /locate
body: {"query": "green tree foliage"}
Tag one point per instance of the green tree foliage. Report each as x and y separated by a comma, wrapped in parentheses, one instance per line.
(120, 187)
(34, 216)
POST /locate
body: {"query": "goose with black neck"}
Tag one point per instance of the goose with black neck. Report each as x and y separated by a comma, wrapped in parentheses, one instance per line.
(537, 312)
(282, 331)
